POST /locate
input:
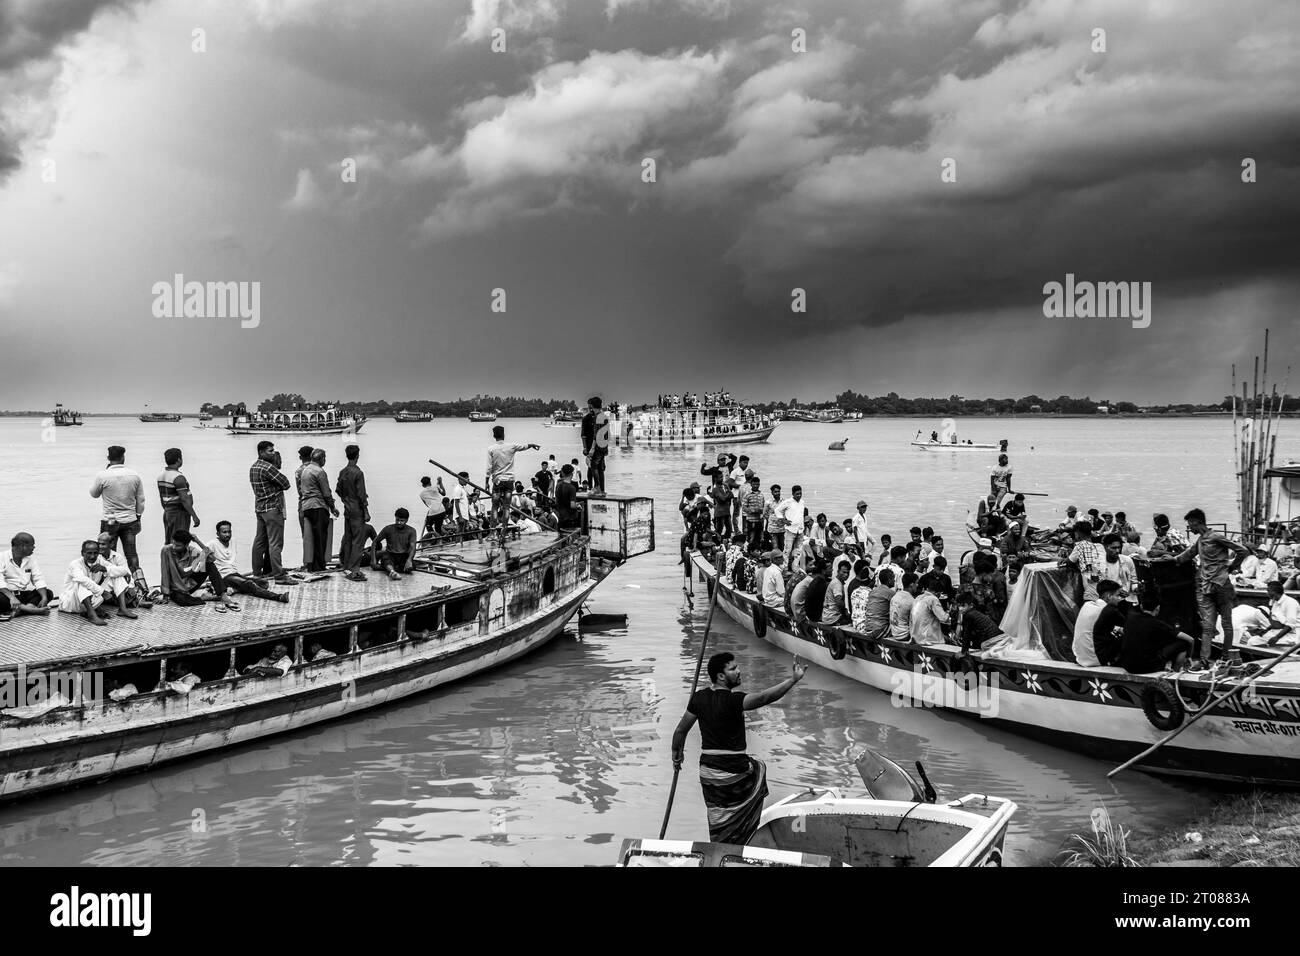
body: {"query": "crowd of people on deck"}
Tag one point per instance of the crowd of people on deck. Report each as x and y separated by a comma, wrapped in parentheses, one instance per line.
(107, 578)
(819, 570)
(720, 397)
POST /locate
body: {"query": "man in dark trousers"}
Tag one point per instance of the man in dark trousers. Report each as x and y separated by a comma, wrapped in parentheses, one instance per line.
(351, 489)
(1215, 556)
(734, 783)
(595, 443)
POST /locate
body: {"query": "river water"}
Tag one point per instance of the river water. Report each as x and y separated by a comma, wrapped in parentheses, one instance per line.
(554, 759)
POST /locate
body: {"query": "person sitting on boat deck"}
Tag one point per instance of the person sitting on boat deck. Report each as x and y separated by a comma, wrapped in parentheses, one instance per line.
(974, 627)
(927, 536)
(1133, 546)
(1084, 651)
(395, 546)
(1258, 569)
(223, 557)
(566, 501)
(1215, 594)
(186, 566)
(1284, 615)
(175, 494)
(500, 476)
(319, 653)
(1071, 518)
(939, 566)
(1119, 567)
(1088, 558)
(834, 606)
(734, 783)
(1000, 482)
(180, 679)
(82, 594)
(897, 555)
(276, 664)
(927, 615)
(912, 560)
(1149, 644)
(1123, 527)
(22, 585)
(870, 606)
(809, 595)
(862, 577)
(1108, 628)
(771, 582)
(268, 485)
(1167, 541)
(525, 521)
(122, 493)
(817, 533)
(900, 605)
(115, 577)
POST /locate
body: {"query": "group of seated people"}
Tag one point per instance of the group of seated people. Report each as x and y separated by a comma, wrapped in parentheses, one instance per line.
(550, 504)
(692, 400)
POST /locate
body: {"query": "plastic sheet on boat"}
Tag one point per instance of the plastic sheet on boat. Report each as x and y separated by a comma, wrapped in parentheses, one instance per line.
(1040, 614)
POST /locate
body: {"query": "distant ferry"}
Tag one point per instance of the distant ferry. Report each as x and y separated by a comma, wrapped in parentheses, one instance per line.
(477, 416)
(64, 418)
(828, 416)
(159, 417)
(205, 416)
(564, 419)
(405, 416)
(328, 421)
(731, 424)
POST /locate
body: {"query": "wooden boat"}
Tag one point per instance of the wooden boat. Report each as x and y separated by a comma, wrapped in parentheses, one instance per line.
(405, 416)
(64, 418)
(822, 827)
(561, 419)
(694, 425)
(205, 416)
(826, 416)
(154, 417)
(328, 421)
(467, 607)
(952, 446)
(1101, 712)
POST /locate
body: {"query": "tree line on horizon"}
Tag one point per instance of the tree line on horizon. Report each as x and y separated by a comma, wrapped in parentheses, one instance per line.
(894, 404)
(508, 407)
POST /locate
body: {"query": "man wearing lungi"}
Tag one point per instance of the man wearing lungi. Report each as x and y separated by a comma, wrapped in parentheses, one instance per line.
(734, 783)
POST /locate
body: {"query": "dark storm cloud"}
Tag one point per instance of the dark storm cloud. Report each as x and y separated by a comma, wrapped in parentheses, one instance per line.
(30, 32)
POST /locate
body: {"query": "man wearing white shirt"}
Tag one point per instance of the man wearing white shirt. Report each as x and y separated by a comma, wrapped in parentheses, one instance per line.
(860, 532)
(1259, 569)
(116, 576)
(1119, 568)
(22, 585)
(223, 557)
(122, 493)
(1284, 611)
(82, 594)
(1084, 652)
(459, 497)
(793, 513)
(771, 582)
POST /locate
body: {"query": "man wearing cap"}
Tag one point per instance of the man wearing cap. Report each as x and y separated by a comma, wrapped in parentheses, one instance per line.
(740, 474)
(861, 534)
(1168, 541)
(751, 509)
(1071, 519)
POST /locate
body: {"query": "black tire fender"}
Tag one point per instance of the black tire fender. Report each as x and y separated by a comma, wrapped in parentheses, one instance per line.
(1160, 696)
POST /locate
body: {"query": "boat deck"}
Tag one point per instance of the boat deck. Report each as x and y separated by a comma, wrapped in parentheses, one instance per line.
(55, 637)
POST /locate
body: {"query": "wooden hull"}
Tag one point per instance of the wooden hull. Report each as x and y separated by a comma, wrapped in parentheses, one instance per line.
(348, 429)
(1095, 711)
(152, 729)
(679, 441)
(155, 419)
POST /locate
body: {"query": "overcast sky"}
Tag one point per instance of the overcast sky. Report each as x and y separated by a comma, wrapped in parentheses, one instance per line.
(522, 170)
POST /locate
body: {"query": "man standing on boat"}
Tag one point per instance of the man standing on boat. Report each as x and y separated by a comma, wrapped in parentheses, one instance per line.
(1214, 592)
(268, 485)
(734, 783)
(122, 493)
(177, 499)
(351, 489)
(595, 443)
(501, 474)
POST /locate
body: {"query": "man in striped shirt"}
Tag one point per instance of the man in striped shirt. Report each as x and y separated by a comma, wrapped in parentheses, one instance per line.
(174, 492)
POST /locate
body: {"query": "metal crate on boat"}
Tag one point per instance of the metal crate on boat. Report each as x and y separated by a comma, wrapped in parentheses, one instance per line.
(620, 526)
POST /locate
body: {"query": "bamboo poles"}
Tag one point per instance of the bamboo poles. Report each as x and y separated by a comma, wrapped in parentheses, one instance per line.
(1254, 446)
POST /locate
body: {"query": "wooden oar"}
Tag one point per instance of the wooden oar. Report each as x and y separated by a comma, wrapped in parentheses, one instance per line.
(456, 475)
(1036, 494)
(713, 605)
(1205, 710)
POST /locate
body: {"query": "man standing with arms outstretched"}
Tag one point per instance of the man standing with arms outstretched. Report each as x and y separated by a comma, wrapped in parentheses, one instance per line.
(1214, 591)
(501, 474)
(734, 783)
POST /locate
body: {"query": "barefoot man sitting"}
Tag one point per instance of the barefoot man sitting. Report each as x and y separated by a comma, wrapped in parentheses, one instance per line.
(22, 586)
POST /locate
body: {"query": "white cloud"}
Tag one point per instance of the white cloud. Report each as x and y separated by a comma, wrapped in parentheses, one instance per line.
(522, 16)
(306, 194)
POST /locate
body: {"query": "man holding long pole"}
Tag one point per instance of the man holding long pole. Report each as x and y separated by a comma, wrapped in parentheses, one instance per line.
(500, 479)
(734, 783)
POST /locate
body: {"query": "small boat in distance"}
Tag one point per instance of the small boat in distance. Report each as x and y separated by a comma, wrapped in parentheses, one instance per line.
(205, 416)
(405, 416)
(478, 415)
(152, 417)
(64, 418)
(830, 415)
(564, 419)
(951, 446)
(327, 421)
(732, 424)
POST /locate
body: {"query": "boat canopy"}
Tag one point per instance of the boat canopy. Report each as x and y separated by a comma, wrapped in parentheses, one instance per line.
(1283, 471)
